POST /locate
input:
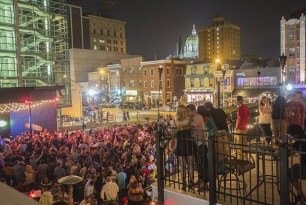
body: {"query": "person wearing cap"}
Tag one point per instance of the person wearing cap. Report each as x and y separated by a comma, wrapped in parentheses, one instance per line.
(124, 201)
(242, 122)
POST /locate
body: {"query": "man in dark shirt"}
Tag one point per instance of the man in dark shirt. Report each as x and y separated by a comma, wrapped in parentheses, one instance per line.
(298, 171)
(218, 115)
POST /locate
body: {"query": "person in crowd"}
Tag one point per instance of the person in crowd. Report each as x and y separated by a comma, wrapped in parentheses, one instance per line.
(60, 192)
(45, 183)
(42, 170)
(109, 191)
(59, 171)
(121, 180)
(22, 186)
(135, 194)
(86, 201)
(298, 171)
(265, 117)
(46, 197)
(295, 111)
(57, 201)
(278, 115)
(125, 201)
(30, 175)
(242, 123)
(89, 188)
(218, 116)
(183, 147)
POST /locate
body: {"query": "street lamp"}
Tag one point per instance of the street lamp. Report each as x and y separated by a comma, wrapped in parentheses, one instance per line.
(223, 75)
(218, 82)
(258, 81)
(282, 60)
(159, 148)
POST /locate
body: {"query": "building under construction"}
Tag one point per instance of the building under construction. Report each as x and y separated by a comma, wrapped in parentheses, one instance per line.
(34, 45)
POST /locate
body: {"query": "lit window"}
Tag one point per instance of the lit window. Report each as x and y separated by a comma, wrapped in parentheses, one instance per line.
(95, 40)
(95, 47)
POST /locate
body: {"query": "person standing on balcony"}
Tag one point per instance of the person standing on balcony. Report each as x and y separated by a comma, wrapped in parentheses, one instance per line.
(218, 116)
(183, 147)
(295, 111)
(264, 121)
(278, 114)
(242, 123)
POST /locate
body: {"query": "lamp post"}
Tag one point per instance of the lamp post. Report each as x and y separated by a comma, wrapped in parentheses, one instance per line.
(218, 82)
(258, 81)
(282, 60)
(223, 75)
(159, 149)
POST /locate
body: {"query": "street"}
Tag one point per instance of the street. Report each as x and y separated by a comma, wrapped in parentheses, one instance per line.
(118, 116)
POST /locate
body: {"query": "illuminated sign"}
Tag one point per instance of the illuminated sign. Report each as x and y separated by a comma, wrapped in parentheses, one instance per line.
(131, 92)
(240, 74)
(2, 123)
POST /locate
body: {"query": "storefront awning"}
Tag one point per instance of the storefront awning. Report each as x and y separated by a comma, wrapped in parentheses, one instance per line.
(255, 92)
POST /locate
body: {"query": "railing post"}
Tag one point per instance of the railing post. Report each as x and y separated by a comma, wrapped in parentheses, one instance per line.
(160, 165)
(284, 186)
(212, 170)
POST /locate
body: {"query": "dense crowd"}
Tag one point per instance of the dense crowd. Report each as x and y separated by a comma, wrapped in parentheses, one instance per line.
(115, 164)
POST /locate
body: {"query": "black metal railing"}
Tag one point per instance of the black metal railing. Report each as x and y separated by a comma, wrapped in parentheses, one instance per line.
(236, 172)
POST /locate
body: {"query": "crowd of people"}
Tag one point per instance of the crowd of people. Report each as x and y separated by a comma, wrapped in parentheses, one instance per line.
(116, 164)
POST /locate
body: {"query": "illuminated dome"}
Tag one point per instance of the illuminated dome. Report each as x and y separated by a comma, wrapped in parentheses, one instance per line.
(191, 46)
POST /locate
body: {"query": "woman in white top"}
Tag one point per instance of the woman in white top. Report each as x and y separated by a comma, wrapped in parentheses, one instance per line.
(184, 145)
(265, 118)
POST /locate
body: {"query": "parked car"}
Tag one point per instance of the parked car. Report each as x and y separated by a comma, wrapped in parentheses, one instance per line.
(127, 105)
(67, 118)
(108, 105)
(139, 106)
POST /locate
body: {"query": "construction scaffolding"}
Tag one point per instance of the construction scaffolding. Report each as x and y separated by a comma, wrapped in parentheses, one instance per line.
(34, 47)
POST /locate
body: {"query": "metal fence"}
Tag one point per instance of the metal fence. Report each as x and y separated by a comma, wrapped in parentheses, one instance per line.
(253, 172)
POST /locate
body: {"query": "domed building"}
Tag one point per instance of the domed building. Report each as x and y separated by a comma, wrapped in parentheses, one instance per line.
(191, 49)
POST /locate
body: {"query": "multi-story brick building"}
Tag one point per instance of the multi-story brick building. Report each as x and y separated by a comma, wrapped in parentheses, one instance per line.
(171, 86)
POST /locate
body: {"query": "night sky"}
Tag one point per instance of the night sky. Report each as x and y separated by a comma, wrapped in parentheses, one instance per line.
(153, 26)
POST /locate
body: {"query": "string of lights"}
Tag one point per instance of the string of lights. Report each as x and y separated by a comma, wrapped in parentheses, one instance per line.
(15, 107)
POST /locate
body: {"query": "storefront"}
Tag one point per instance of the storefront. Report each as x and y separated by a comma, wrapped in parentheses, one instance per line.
(252, 84)
(199, 96)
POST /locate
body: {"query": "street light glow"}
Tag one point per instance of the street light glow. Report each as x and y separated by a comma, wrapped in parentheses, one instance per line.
(2, 123)
(92, 92)
(289, 87)
(217, 60)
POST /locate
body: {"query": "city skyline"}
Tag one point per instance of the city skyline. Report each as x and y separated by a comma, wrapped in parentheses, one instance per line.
(153, 28)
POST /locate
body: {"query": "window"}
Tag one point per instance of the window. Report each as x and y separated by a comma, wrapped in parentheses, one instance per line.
(102, 48)
(94, 31)
(109, 41)
(193, 70)
(168, 83)
(131, 70)
(115, 34)
(168, 71)
(95, 39)
(144, 72)
(192, 83)
(145, 84)
(291, 35)
(152, 71)
(176, 71)
(181, 72)
(101, 31)
(291, 71)
(120, 35)
(123, 70)
(291, 52)
(123, 82)
(152, 83)
(201, 82)
(121, 50)
(93, 77)
(206, 69)
(139, 69)
(115, 42)
(121, 42)
(132, 83)
(139, 82)
(108, 48)
(108, 33)
(102, 40)
(95, 47)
